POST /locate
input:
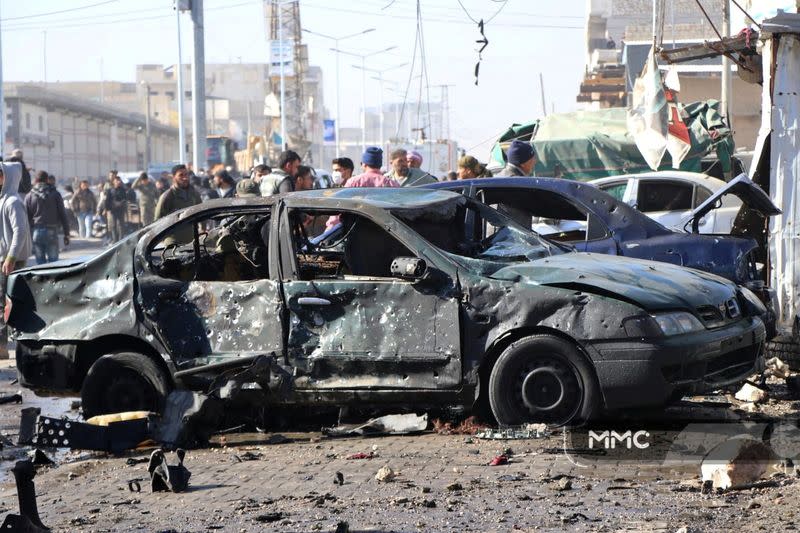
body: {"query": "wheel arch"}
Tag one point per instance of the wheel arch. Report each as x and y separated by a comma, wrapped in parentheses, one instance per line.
(90, 351)
(504, 341)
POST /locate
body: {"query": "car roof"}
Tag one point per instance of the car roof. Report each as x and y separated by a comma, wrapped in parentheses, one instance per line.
(381, 197)
(676, 175)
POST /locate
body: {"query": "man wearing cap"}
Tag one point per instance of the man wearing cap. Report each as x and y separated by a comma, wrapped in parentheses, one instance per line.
(371, 161)
(405, 175)
(521, 159)
(247, 188)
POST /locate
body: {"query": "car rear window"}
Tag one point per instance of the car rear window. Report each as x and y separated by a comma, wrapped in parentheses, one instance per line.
(664, 196)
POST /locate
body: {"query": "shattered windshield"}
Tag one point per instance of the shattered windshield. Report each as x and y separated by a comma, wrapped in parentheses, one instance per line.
(474, 235)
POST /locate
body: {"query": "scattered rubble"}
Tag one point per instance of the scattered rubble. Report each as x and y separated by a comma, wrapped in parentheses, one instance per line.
(11, 398)
(735, 463)
(468, 426)
(166, 477)
(777, 368)
(751, 394)
(499, 460)
(28, 520)
(528, 431)
(385, 474)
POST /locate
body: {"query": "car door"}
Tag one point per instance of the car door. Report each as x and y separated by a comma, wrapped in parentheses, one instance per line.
(552, 215)
(205, 288)
(351, 325)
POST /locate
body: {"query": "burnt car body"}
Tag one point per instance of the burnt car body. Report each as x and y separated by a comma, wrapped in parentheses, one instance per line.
(411, 297)
(592, 220)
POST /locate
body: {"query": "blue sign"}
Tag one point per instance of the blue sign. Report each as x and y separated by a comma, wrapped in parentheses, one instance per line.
(329, 130)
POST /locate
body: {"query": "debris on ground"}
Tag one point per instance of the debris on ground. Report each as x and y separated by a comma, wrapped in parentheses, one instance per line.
(735, 463)
(362, 455)
(11, 398)
(38, 457)
(468, 426)
(338, 479)
(528, 431)
(499, 460)
(167, 477)
(27, 520)
(751, 394)
(189, 419)
(777, 368)
(384, 425)
(385, 474)
(564, 483)
(454, 486)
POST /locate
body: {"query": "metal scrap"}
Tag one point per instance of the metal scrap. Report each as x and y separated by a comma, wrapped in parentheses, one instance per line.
(384, 425)
(11, 398)
(528, 431)
(28, 520)
(167, 477)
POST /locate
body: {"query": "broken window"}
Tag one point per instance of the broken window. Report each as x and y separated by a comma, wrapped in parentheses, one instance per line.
(701, 194)
(548, 213)
(655, 195)
(220, 247)
(351, 246)
(616, 189)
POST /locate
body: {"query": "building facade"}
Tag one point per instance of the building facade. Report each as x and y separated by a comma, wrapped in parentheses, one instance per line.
(73, 137)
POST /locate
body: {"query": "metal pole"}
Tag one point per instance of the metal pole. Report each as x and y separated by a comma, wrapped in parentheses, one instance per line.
(380, 103)
(44, 54)
(363, 106)
(102, 85)
(725, 92)
(181, 125)
(284, 144)
(147, 152)
(541, 84)
(337, 99)
(198, 87)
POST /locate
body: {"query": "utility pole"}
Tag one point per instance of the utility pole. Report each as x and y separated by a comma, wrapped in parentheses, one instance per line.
(181, 125)
(198, 87)
(725, 92)
(541, 84)
(147, 152)
(44, 54)
(2, 101)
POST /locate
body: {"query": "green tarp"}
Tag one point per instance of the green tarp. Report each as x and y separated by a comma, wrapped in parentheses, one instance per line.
(585, 145)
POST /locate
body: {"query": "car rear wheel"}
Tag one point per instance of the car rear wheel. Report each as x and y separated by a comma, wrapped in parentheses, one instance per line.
(542, 378)
(123, 382)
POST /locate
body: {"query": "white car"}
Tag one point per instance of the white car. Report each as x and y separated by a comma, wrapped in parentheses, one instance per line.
(669, 197)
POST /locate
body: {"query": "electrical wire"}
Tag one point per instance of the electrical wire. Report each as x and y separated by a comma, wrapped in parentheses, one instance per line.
(35, 15)
(746, 14)
(499, 9)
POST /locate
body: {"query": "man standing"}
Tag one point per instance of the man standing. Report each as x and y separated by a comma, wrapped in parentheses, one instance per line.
(225, 184)
(403, 174)
(521, 159)
(281, 179)
(45, 212)
(147, 195)
(259, 173)
(371, 162)
(179, 196)
(414, 159)
(116, 206)
(25, 184)
(84, 204)
(305, 179)
(15, 237)
(342, 170)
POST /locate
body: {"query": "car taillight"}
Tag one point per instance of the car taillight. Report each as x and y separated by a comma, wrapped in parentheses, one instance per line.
(7, 310)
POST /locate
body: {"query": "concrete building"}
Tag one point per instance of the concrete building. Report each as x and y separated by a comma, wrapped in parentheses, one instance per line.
(70, 136)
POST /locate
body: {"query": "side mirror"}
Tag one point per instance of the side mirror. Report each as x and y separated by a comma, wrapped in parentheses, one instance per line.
(412, 268)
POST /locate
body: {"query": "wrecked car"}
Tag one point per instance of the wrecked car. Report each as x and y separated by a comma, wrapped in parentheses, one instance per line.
(409, 298)
(592, 220)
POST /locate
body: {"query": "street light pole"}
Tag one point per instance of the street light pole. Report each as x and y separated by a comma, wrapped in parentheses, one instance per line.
(147, 153)
(363, 84)
(283, 88)
(181, 125)
(336, 50)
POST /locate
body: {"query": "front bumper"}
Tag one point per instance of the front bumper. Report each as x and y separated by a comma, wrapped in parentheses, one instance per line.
(649, 372)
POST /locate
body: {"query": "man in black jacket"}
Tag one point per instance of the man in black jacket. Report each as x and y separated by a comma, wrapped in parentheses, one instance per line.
(116, 209)
(25, 184)
(45, 213)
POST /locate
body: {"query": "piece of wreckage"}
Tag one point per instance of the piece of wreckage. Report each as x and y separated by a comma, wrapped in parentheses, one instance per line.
(406, 298)
(591, 220)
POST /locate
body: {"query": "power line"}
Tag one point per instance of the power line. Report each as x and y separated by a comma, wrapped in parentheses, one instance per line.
(455, 9)
(499, 9)
(35, 15)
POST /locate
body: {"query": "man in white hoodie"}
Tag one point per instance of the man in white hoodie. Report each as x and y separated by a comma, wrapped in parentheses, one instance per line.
(15, 237)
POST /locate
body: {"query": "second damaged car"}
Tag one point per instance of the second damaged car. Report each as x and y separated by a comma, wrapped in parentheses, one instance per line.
(376, 297)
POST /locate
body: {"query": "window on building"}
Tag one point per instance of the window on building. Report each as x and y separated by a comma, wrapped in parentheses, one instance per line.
(28, 120)
(41, 123)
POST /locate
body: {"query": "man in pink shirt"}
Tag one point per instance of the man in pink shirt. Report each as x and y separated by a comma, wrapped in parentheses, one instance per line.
(371, 162)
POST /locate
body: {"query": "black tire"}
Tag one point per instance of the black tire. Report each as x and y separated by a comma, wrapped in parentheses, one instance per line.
(122, 382)
(543, 378)
(786, 348)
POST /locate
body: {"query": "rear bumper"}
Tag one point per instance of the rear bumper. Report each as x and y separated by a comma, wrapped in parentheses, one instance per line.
(649, 372)
(48, 369)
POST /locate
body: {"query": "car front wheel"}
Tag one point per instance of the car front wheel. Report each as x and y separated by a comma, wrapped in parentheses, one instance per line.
(542, 378)
(123, 382)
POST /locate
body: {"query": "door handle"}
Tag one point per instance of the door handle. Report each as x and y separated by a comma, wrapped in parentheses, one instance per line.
(312, 300)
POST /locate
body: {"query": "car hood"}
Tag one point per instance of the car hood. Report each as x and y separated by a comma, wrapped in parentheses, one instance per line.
(650, 285)
(743, 188)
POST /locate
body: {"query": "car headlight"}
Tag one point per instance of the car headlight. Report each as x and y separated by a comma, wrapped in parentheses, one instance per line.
(753, 304)
(677, 323)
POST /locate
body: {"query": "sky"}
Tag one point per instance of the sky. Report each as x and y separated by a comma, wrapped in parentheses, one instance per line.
(105, 39)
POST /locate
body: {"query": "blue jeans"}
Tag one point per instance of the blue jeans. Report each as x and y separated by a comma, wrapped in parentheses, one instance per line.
(85, 224)
(45, 244)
